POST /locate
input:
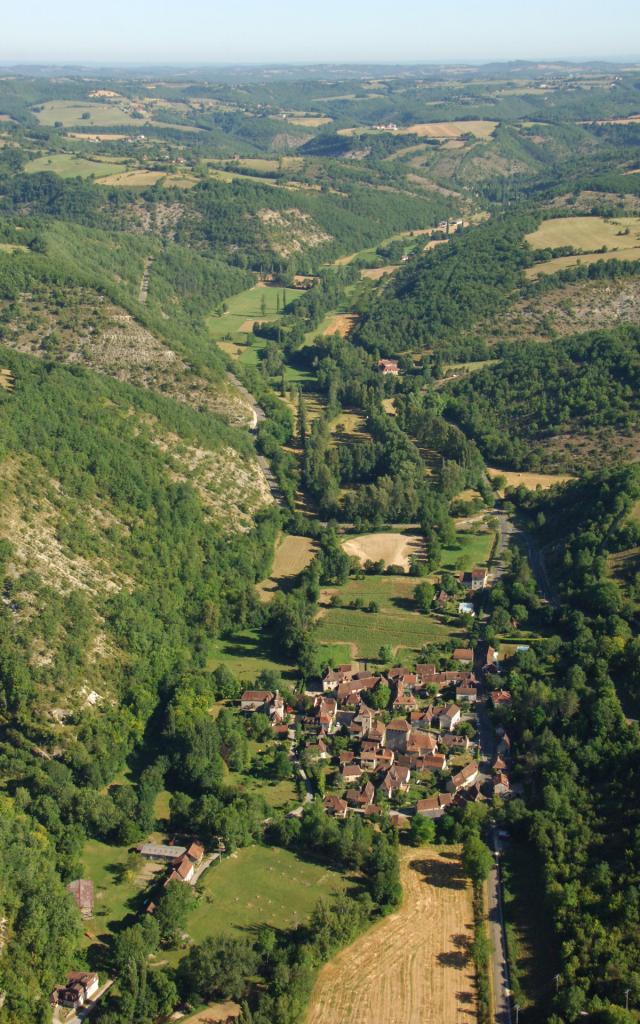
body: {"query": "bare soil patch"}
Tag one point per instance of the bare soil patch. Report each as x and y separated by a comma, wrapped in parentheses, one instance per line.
(95, 333)
(414, 967)
(392, 548)
(572, 309)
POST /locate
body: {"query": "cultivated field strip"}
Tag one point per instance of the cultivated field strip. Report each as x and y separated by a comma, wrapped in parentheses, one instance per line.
(415, 966)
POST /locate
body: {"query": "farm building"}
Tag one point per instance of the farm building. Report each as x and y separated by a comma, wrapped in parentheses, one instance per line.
(389, 367)
(82, 891)
(255, 700)
(434, 806)
(158, 851)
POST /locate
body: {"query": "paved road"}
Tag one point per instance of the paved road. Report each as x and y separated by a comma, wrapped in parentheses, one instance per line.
(497, 938)
(507, 530)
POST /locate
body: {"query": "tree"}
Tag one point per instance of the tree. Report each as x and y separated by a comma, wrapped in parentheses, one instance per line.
(423, 595)
(280, 765)
(217, 969)
(423, 830)
(173, 910)
(477, 860)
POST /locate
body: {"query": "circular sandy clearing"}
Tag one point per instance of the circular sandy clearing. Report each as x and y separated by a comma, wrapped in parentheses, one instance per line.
(392, 548)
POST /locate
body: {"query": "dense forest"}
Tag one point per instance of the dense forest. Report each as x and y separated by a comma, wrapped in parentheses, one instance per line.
(582, 385)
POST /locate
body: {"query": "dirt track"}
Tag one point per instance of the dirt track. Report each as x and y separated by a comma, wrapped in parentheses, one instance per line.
(414, 967)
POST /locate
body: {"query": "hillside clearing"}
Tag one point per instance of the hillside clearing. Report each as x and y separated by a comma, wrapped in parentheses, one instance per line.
(564, 262)
(292, 555)
(620, 237)
(392, 548)
(586, 233)
(426, 975)
(66, 165)
(341, 324)
(531, 480)
(376, 273)
(70, 114)
(259, 304)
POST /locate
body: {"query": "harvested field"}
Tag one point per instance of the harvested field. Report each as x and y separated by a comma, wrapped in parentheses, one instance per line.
(97, 136)
(310, 122)
(342, 324)
(293, 554)
(453, 129)
(530, 480)
(133, 179)
(392, 548)
(375, 273)
(426, 975)
(6, 380)
(434, 130)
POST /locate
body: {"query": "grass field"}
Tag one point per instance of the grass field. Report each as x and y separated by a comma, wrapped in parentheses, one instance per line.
(264, 163)
(69, 113)
(278, 795)
(246, 307)
(415, 966)
(393, 548)
(473, 548)
(397, 623)
(117, 891)
(246, 654)
(310, 122)
(260, 885)
(292, 555)
(66, 165)
(586, 233)
(563, 262)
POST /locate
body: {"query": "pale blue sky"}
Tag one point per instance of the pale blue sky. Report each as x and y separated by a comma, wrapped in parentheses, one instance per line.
(316, 30)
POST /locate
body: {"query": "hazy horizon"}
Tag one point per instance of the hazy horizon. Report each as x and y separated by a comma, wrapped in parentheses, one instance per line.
(283, 32)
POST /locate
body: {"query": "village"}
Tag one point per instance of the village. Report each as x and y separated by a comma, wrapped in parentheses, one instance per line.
(400, 741)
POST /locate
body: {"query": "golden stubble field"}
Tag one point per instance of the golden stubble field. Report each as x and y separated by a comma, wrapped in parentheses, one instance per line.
(414, 967)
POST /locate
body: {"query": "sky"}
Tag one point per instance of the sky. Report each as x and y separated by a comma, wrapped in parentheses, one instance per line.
(280, 31)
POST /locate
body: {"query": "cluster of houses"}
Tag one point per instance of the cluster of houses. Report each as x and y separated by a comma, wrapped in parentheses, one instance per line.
(421, 737)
